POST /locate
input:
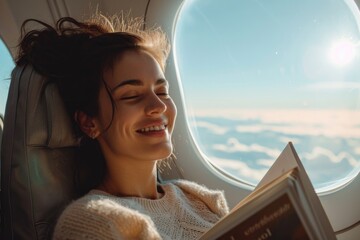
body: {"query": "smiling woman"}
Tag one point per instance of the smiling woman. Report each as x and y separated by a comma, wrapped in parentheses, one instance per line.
(114, 90)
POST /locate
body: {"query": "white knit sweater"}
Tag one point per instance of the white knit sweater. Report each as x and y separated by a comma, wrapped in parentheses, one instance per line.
(185, 211)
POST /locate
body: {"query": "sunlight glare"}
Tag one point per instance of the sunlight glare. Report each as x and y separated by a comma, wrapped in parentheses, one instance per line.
(342, 52)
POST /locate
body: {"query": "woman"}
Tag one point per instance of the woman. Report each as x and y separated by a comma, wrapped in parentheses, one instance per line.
(113, 84)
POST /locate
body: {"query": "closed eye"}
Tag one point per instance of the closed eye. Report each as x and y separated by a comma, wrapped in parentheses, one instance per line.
(129, 97)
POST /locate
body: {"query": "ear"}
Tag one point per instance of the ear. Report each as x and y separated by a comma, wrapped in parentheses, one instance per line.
(87, 124)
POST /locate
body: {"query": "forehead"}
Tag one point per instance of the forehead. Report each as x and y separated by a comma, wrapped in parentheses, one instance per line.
(133, 64)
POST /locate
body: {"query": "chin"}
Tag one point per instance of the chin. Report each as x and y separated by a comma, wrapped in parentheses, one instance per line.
(156, 151)
(165, 156)
(164, 153)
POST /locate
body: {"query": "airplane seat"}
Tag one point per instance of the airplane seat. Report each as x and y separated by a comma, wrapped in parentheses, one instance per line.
(38, 157)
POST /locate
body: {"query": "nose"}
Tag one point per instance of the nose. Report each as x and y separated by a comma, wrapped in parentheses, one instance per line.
(155, 105)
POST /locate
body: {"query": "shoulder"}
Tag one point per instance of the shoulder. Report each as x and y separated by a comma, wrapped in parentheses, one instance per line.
(214, 199)
(98, 204)
(102, 217)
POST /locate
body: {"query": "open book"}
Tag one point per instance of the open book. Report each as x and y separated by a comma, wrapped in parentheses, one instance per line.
(284, 205)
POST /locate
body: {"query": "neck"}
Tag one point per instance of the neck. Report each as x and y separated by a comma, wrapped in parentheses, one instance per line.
(132, 178)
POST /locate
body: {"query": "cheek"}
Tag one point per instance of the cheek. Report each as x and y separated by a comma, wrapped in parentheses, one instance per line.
(105, 111)
(116, 130)
(125, 118)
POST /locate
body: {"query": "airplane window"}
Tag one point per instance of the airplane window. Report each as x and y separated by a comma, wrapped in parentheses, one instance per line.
(6, 66)
(257, 74)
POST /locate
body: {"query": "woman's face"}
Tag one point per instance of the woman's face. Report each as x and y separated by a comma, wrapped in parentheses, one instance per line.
(144, 113)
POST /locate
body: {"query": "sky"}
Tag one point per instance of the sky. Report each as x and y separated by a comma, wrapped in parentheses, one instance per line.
(6, 66)
(269, 54)
(259, 73)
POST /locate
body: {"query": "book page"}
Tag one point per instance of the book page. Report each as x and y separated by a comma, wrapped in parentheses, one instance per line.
(287, 160)
(265, 187)
(284, 163)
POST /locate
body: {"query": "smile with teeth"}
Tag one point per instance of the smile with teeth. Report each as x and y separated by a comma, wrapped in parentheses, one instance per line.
(153, 128)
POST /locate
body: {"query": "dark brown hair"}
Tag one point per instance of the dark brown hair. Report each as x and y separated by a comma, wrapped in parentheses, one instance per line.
(76, 54)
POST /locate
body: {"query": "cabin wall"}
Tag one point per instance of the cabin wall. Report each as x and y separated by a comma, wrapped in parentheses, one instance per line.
(51, 10)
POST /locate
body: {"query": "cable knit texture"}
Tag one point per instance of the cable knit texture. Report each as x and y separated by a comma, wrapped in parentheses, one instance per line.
(185, 211)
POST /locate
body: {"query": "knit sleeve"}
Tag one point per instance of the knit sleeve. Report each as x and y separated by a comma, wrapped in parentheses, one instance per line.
(103, 219)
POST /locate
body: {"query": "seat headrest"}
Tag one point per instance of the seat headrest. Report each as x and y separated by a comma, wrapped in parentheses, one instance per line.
(51, 125)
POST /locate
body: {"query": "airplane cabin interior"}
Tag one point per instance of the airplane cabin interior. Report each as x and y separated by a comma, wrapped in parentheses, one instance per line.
(38, 148)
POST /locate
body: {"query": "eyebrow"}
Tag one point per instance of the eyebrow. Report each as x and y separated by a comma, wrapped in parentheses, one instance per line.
(136, 82)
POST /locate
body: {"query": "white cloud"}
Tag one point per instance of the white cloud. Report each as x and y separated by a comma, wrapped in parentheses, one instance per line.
(265, 162)
(305, 129)
(345, 118)
(233, 145)
(318, 152)
(328, 123)
(240, 169)
(336, 85)
(216, 129)
(357, 150)
(301, 125)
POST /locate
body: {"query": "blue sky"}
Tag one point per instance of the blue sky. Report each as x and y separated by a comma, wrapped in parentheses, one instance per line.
(6, 65)
(268, 54)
